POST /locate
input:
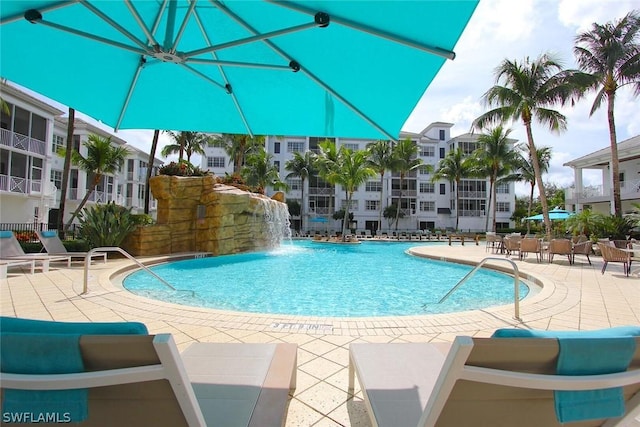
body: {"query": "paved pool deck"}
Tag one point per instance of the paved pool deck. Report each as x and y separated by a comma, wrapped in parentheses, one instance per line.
(576, 297)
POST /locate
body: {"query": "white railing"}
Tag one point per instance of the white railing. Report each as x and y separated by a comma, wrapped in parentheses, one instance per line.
(22, 142)
(627, 188)
(473, 194)
(404, 193)
(470, 212)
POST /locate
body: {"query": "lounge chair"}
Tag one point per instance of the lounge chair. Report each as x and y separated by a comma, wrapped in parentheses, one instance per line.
(10, 250)
(528, 245)
(512, 244)
(138, 379)
(561, 247)
(612, 254)
(494, 382)
(6, 264)
(583, 248)
(53, 245)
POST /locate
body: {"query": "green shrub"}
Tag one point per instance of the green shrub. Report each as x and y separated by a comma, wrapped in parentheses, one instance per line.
(182, 168)
(142, 219)
(106, 225)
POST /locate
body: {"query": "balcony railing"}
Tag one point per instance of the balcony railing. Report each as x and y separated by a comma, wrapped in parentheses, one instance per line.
(627, 188)
(17, 184)
(404, 193)
(475, 213)
(321, 190)
(473, 194)
(22, 142)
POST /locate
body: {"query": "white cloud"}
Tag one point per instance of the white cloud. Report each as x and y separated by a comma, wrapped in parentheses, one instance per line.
(581, 14)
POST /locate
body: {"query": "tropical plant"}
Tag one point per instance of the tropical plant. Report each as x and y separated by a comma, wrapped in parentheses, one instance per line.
(614, 227)
(610, 53)
(586, 222)
(294, 207)
(106, 225)
(404, 160)
(531, 88)
(496, 155)
(260, 172)
(453, 168)
(380, 158)
(528, 174)
(326, 161)
(301, 166)
(238, 147)
(182, 168)
(185, 142)
(102, 158)
(350, 172)
(391, 213)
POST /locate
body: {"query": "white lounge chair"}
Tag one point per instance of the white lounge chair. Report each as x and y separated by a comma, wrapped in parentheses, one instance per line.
(142, 380)
(10, 250)
(479, 381)
(53, 245)
(6, 264)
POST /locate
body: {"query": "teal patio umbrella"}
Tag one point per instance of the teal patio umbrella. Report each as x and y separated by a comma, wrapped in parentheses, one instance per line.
(321, 68)
(554, 214)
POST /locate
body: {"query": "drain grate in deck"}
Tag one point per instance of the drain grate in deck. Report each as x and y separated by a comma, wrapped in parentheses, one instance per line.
(308, 327)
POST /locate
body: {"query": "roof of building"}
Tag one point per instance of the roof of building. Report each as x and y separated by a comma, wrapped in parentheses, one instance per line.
(628, 149)
(19, 94)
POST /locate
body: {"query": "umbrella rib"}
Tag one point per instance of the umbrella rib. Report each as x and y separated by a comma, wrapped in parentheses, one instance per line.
(204, 76)
(143, 27)
(319, 82)
(114, 24)
(183, 26)
(134, 81)
(238, 64)
(224, 77)
(445, 53)
(17, 17)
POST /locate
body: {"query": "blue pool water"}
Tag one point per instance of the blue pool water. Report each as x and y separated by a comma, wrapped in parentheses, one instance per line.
(306, 278)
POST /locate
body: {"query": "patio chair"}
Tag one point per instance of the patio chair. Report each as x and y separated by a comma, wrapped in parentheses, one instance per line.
(10, 250)
(6, 264)
(529, 245)
(561, 247)
(512, 244)
(583, 248)
(496, 382)
(138, 379)
(53, 245)
(612, 254)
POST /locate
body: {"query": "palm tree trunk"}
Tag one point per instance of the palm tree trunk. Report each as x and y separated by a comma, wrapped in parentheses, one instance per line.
(152, 155)
(96, 180)
(533, 184)
(615, 166)
(495, 202)
(66, 171)
(488, 207)
(457, 204)
(399, 201)
(345, 219)
(381, 199)
(302, 207)
(538, 174)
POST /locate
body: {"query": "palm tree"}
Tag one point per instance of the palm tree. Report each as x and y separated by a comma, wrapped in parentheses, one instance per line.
(102, 158)
(530, 89)
(380, 158)
(238, 147)
(301, 166)
(497, 156)
(350, 172)
(405, 159)
(260, 172)
(611, 54)
(453, 168)
(152, 158)
(186, 142)
(326, 160)
(66, 170)
(527, 173)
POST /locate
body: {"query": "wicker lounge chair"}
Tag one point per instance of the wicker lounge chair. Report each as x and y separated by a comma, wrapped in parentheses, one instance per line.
(531, 245)
(583, 248)
(561, 247)
(613, 254)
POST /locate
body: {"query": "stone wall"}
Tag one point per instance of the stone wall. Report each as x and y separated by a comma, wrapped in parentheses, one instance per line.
(196, 214)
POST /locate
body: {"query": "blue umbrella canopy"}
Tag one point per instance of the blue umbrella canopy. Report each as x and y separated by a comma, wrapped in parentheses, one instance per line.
(554, 214)
(319, 219)
(324, 68)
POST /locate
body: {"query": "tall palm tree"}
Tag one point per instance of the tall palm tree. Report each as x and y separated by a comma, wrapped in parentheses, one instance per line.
(66, 169)
(454, 168)
(186, 142)
(499, 158)
(405, 159)
(380, 158)
(351, 171)
(531, 88)
(326, 160)
(152, 158)
(527, 173)
(301, 166)
(610, 53)
(260, 172)
(238, 147)
(102, 158)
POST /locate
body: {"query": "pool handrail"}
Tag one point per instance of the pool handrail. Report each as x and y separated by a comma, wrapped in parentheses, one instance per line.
(516, 283)
(87, 262)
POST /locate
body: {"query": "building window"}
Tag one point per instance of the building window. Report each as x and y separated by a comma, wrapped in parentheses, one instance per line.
(295, 147)
(441, 134)
(502, 225)
(443, 189)
(373, 186)
(467, 147)
(294, 183)
(215, 162)
(352, 147)
(372, 205)
(503, 207)
(428, 151)
(56, 178)
(427, 187)
(502, 188)
(352, 207)
(276, 164)
(76, 142)
(426, 206)
(276, 147)
(57, 143)
(442, 152)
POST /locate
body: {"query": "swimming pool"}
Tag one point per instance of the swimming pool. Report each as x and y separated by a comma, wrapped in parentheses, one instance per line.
(306, 278)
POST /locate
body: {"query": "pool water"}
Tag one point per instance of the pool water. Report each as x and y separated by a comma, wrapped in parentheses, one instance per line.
(315, 279)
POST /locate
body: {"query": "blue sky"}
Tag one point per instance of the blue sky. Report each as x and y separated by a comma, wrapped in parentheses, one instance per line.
(507, 29)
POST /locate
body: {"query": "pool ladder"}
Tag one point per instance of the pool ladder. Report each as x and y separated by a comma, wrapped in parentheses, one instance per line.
(516, 283)
(87, 262)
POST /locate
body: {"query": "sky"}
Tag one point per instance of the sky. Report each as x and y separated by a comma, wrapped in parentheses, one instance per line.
(507, 29)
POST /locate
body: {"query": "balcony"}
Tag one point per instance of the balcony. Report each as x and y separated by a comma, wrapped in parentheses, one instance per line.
(596, 193)
(473, 213)
(472, 194)
(22, 142)
(404, 193)
(17, 184)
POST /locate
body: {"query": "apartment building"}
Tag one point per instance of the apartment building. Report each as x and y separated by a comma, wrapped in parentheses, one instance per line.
(425, 204)
(31, 168)
(599, 197)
